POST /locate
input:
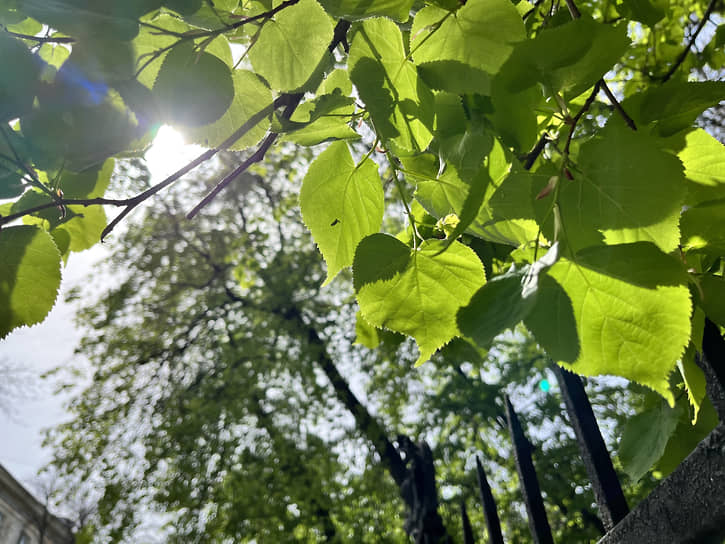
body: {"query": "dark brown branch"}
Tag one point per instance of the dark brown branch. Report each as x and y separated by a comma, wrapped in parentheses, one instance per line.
(617, 106)
(266, 15)
(257, 156)
(208, 154)
(293, 100)
(575, 14)
(41, 39)
(681, 58)
(580, 114)
(531, 157)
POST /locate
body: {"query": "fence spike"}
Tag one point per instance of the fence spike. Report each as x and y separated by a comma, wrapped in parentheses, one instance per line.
(538, 522)
(467, 530)
(713, 365)
(489, 506)
(605, 483)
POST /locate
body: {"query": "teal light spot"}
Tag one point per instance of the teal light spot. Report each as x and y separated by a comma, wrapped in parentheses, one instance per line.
(544, 385)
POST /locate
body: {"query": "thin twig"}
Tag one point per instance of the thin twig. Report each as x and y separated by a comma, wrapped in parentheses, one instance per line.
(532, 155)
(576, 14)
(208, 154)
(293, 100)
(580, 114)
(41, 39)
(686, 51)
(257, 156)
(617, 105)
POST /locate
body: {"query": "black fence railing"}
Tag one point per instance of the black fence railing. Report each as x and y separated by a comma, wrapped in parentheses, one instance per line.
(686, 507)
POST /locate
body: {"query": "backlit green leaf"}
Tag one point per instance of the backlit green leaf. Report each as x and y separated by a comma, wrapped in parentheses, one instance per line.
(291, 45)
(629, 189)
(552, 321)
(341, 204)
(29, 276)
(503, 302)
(703, 228)
(361, 9)
(569, 58)
(704, 160)
(675, 105)
(90, 183)
(252, 101)
(193, 88)
(712, 297)
(400, 104)
(459, 50)
(626, 330)
(421, 299)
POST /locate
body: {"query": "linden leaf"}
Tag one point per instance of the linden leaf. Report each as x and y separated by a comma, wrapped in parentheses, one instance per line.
(417, 293)
(627, 330)
(29, 276)
(291, 45)
(341, 204)
(399, 102)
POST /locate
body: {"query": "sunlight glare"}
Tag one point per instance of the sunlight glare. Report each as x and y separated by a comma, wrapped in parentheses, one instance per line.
(169, 152)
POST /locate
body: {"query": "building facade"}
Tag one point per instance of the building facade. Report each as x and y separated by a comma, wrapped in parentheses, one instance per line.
(24, 520)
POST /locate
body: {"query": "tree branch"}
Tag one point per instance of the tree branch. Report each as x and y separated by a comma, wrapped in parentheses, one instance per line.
(41, 39)
(681, 58)
(580, 114)
(293, 100)
(575, 14)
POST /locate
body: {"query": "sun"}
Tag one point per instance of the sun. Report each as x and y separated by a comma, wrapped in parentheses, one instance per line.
(169, 152)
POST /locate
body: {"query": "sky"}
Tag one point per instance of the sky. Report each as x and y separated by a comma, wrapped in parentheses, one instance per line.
(50, 344)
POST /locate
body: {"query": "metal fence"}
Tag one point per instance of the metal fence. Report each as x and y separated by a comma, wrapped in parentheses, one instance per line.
(687, 506)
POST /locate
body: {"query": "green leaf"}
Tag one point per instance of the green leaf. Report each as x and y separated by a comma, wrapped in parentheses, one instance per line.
(324, 118)
(252, 101)
(675, 105)
(703, 228)
(341, 204)
(379, 257)
(84, 226)
(645, 436)
(704, 160)
(649, 12)
(639, 263)
(193, 88)
(552, 321)
(635, 332)
(628, 188)
(71, 138)
(686, 437)
(291, 45)
(447, 46)
(29, 276)
(506, 215)
(421, 299)
(569, 58)
(90, 183)
(692, 375)
(400, 104)
(353, 10)
(712, 298)
(365, 334)
(18, 86)
(503, 302)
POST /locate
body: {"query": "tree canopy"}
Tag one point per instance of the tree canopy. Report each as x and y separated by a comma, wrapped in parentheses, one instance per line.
(546, 157)
(208, 393)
